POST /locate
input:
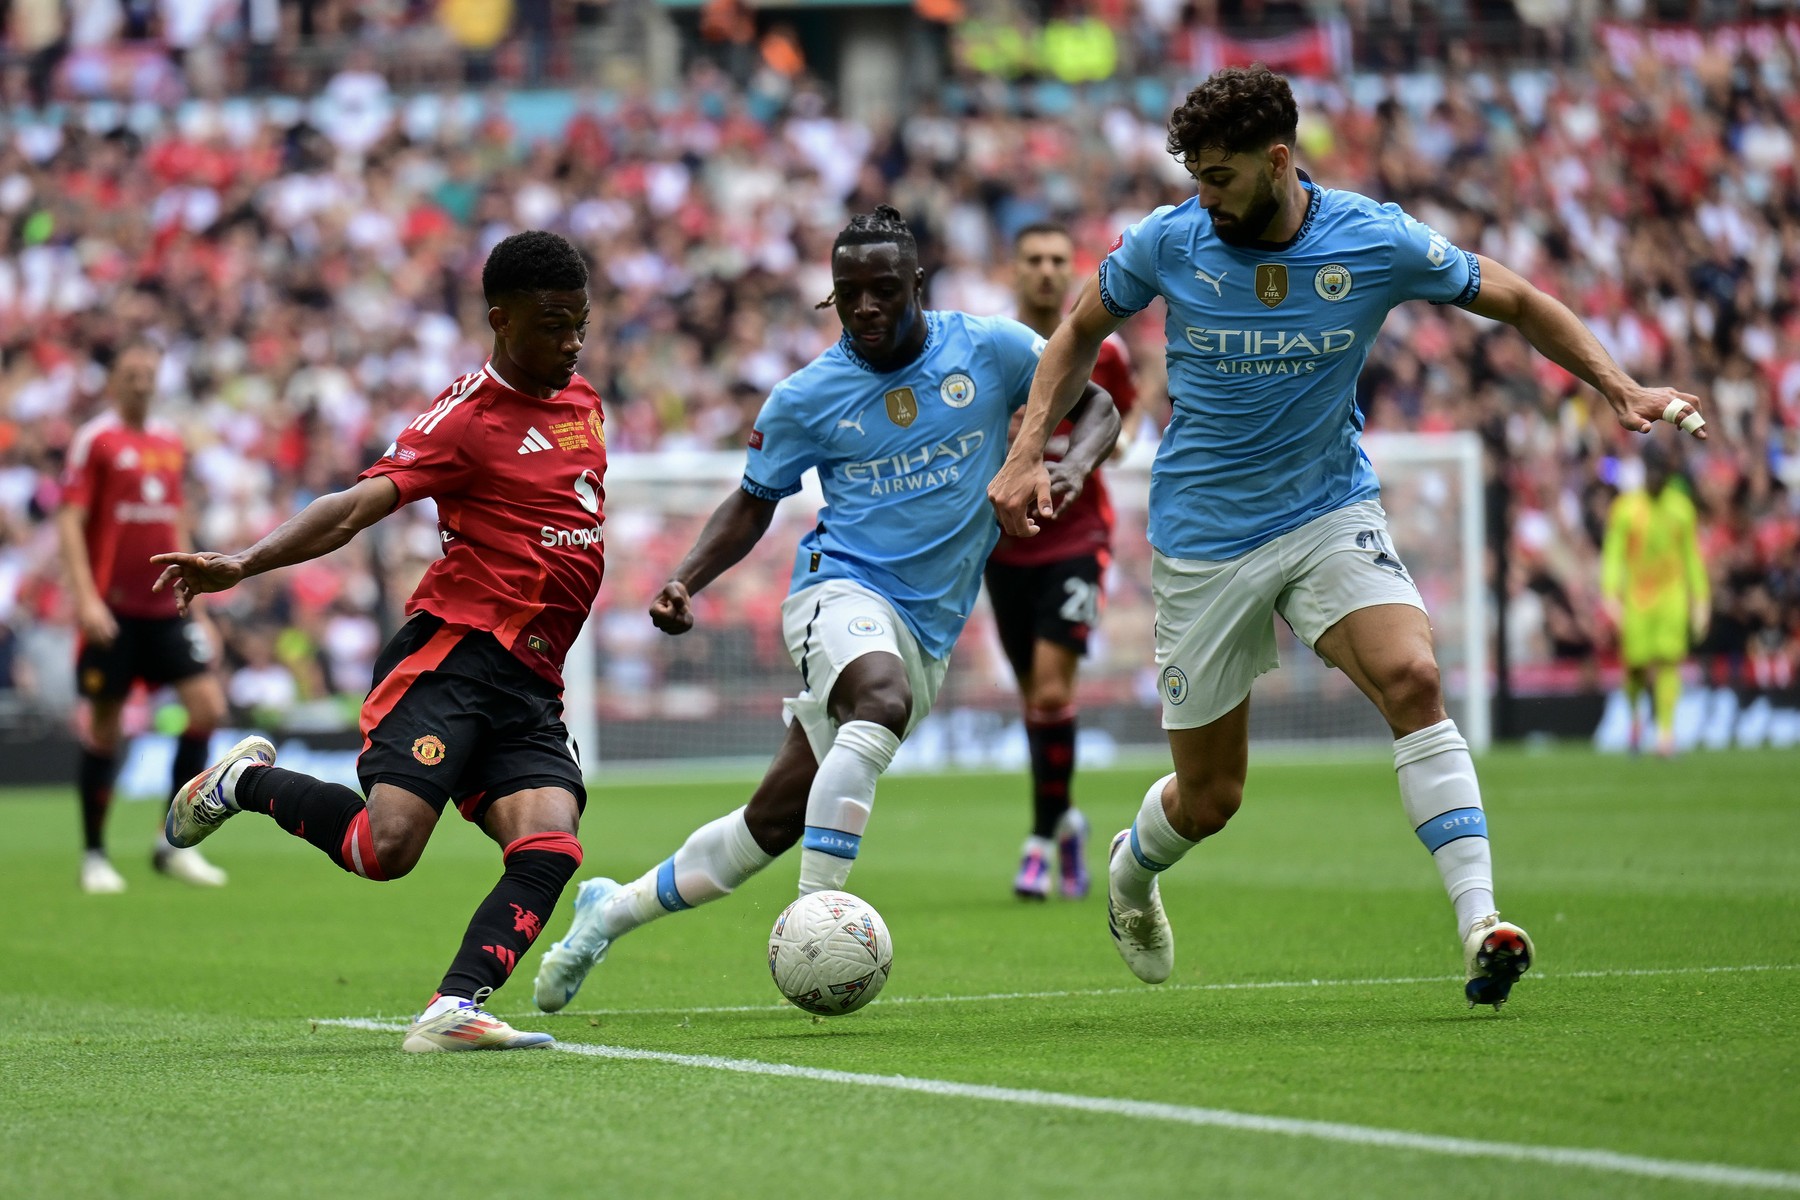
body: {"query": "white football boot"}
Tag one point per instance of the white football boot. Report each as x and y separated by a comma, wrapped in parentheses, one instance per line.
(205, 801)
(98, 877)
(1496, 953)
(1143, 936)
(566, 964)
(465, 1025)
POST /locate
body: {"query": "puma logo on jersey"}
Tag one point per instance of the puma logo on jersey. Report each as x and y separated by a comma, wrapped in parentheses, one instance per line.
(534, 441)
(847, 424)
(1218, 283)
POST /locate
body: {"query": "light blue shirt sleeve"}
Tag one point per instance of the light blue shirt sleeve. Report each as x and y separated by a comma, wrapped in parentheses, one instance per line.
(1016, 348)
(1428, 266)
(781, 449)
(1128, 273)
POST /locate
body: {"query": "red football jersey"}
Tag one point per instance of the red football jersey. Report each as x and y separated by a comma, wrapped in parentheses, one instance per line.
(519, 484)
(1085, 527)
(129, 481)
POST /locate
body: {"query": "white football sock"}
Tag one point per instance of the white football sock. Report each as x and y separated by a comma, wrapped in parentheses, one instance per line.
(838, 806)
(1443, 803)
(444, 1004)
(715, 859)
(1152, 848)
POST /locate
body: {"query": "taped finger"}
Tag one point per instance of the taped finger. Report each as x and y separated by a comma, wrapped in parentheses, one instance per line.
(1692, 421)
(1672, 414)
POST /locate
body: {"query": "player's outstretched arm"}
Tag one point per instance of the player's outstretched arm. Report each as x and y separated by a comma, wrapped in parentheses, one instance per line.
(733, 529)
(1021, 492)
(1558, 334)
(318, 529)
(1091, 441)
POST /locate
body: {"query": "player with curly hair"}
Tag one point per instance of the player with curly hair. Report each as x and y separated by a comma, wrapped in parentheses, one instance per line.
(1262, 500)
(466, 705)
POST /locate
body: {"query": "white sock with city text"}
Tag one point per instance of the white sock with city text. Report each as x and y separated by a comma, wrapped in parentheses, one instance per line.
(839, 804)
(1443, 803)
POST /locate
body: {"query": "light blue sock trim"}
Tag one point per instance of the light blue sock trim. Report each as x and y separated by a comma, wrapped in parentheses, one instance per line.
(666, 894)
(1448, 827)
(1144, 861)
(831, 841)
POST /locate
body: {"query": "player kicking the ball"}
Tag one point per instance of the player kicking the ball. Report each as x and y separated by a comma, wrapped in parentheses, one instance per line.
(906, 420)
(467, 698)
(1261, 499)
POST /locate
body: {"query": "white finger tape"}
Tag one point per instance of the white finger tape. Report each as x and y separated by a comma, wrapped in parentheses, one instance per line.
(1692, 422)
(1672, 414)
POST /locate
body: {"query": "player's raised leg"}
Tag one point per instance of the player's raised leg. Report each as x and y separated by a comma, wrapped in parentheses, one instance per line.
(1386, 651)
(536, 830)
(714, 861)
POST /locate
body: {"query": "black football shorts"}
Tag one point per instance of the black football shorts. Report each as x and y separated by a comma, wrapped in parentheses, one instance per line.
(454, 717)
(1057, 602)
(157, 650)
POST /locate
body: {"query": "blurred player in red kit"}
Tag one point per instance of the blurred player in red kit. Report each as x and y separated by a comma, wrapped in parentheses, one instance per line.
(122, 503)
(466, 704)
(1046, 591)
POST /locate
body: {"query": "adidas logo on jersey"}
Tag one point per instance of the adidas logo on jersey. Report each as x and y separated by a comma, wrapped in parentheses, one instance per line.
(534, 441)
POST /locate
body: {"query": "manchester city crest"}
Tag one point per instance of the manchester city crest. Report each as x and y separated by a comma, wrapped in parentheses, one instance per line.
(1332, 281)
(958, 390)
(1175, 684)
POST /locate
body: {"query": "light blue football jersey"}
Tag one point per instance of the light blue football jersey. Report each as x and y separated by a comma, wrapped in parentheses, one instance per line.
(904, 458)
(1265, 346)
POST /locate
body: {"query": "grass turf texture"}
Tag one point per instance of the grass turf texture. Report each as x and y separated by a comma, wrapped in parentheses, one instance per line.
(159, 1042)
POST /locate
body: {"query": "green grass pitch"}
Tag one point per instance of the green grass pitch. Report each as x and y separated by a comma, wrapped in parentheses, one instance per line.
(163, 1042)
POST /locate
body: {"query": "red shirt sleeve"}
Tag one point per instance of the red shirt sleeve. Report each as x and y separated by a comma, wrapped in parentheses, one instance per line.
(431, 457)
(1112, 371)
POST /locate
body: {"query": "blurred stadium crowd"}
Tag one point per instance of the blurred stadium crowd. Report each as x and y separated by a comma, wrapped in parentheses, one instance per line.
(313, 272)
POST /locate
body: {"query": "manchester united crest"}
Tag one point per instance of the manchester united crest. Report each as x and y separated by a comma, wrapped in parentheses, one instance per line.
(902, 407)
(429, 749)
(596, 427)
(1271, 283)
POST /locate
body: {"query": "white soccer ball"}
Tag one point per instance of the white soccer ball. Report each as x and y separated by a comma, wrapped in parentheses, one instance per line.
(829, 953)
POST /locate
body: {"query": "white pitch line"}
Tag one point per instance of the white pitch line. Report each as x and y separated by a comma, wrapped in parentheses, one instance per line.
(1720, 1174)
(1258, 985)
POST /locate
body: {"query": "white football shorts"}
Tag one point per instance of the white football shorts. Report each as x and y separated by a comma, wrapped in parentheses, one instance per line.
(832, 624)
(1215, 621)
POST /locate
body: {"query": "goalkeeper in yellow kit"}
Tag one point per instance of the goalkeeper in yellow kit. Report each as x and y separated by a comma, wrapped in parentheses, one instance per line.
(1653, 583)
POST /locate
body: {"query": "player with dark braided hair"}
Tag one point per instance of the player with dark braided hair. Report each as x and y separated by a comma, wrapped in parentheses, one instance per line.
(467, 699)
(905, 420)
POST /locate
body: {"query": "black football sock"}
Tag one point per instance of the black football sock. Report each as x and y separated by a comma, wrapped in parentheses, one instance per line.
(190, 759)
(1052, 767)
(329, 815)
(538, 867)
(94, 784)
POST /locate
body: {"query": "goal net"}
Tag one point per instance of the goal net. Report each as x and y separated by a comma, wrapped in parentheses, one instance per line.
(636, 696)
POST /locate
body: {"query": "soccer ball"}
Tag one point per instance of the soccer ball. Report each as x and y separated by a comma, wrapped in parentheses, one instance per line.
(829, 953)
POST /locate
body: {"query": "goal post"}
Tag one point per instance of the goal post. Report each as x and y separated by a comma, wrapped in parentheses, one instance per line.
(636, 696)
